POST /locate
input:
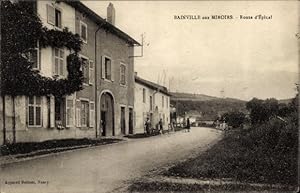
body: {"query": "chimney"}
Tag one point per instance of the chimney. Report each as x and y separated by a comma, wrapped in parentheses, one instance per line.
(111, 14)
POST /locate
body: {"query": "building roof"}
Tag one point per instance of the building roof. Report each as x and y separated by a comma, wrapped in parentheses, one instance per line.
(152, 85)
(100, 21)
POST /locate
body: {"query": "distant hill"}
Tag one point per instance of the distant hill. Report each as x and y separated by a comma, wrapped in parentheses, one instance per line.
(207, 107)
(178, 96)
(189, 96)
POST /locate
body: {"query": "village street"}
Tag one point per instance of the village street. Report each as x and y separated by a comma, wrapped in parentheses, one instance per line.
(106, 168)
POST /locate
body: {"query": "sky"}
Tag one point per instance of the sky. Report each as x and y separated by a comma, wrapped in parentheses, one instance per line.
(238, 58)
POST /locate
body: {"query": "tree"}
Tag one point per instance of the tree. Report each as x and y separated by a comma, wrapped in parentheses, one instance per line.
(234, 118)
(262, 110)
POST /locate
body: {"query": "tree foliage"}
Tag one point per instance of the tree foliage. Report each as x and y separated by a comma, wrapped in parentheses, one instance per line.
(21, 31)
(263, 110)
(234, 118)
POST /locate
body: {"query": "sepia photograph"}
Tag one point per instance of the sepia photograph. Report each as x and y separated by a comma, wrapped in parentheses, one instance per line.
(149, 96)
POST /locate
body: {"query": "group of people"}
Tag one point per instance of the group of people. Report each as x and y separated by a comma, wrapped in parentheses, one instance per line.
(160, 126)
(149, 129)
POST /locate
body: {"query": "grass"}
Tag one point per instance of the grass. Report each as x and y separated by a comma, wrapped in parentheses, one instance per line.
(51, 146)
(188, 188)
(261, 155)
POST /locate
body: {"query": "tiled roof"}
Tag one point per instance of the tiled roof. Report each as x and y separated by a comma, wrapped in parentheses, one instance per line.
(152, 85)
(100, 21)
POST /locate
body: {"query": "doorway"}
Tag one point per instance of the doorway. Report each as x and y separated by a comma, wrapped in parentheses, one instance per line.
(107, 114)
(59, 112)
(103, 123)
(130, 121)
(123, 124)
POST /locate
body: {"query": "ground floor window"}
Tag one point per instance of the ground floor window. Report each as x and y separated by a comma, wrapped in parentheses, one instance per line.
(34, 111)
(84, 113)
(69, 112)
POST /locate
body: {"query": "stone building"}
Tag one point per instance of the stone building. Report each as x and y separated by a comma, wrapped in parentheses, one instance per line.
(152, 101)
(105, 105)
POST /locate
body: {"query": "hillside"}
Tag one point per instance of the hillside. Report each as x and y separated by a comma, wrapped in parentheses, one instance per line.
(207, 107)
(189, 96)
(198, 97)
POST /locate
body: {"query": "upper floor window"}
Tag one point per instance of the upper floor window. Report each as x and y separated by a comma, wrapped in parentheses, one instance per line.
(162, 101)
(34, 111)
(33, 56)
(91, 72)
(54, 16)
(59, 58)
(123, 74)
(85, 70)
(106, 68)
(83, 31)
(144, 95)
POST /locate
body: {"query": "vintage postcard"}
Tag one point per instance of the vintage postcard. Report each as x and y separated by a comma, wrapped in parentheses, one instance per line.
(149, 96)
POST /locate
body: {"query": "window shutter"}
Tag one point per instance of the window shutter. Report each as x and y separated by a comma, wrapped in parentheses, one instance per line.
(53, 61)
(52, 115)
(40, 59)
(44, 112)
(112, 71)
(125, 74)
(27, 114)
(78, 117)
(103, 67)
(92, 114)
(50, 14)
(120, 80)
(91, 72)
(134, 120)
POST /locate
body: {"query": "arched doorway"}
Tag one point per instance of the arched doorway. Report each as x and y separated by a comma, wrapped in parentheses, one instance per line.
(107, 114)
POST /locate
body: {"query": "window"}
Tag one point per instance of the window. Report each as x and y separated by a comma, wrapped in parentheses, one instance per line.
(106, 68)
(34, 111)
(57, 18)
(91, 72)
(84, 113)
(85, 70)
(54, 16)
(123, 74)
(83, 31)
(162, 101)
(144, 95)
(33, 57)
(69, 112)
(59, 61)
(151, 103)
